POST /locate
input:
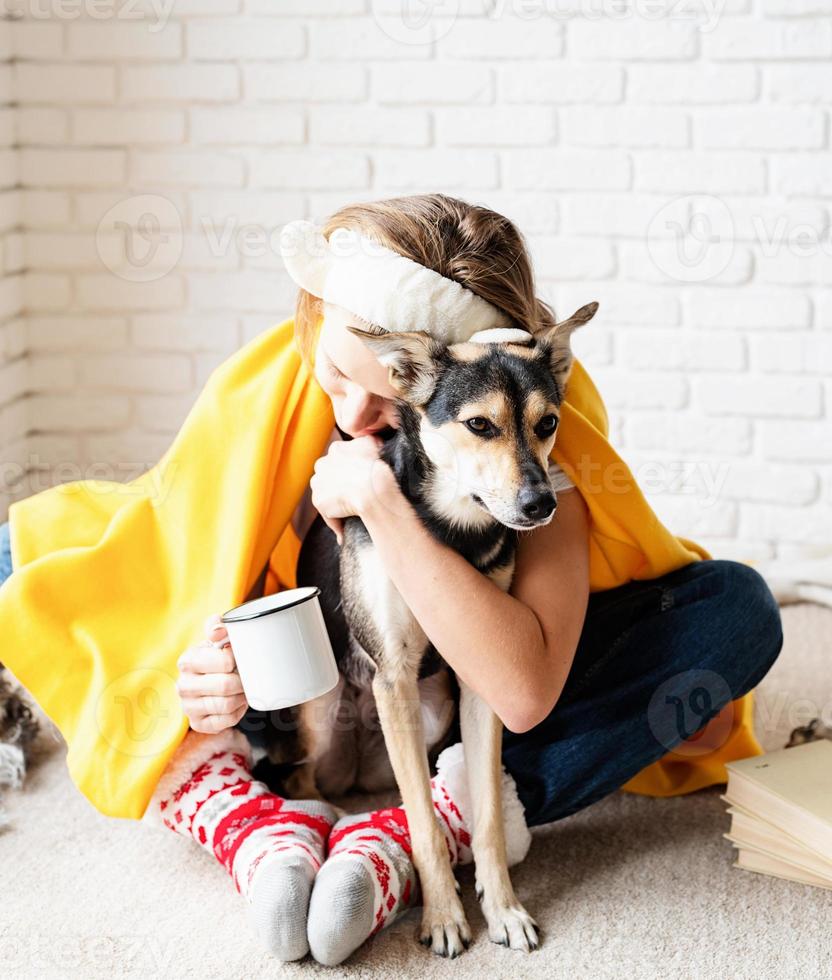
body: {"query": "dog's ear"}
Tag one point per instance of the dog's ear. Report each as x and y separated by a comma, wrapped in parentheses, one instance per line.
(554, 342)
(410, 358)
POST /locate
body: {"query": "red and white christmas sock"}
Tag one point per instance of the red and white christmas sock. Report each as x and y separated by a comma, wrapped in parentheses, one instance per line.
(369, 878)
(271, 847)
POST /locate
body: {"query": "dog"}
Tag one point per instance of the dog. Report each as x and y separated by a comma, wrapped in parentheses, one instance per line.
(813, 732)
(477, 425)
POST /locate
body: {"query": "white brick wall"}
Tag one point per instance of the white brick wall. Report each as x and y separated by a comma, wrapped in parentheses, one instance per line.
(14, 373)
(713, 351)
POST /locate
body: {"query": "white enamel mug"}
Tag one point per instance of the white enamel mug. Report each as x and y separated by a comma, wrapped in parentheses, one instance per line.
(283, 652)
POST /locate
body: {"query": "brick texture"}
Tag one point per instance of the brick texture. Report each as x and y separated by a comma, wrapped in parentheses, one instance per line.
(675, 167)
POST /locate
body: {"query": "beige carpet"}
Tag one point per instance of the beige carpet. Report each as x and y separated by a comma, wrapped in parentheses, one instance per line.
(630, 887)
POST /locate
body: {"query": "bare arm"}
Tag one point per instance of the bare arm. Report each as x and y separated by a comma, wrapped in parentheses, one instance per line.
(515, 650)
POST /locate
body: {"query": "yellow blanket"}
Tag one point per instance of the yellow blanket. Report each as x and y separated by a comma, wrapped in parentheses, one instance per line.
(113, 581)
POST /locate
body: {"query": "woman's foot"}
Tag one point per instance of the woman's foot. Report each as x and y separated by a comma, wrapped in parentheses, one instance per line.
(366, 881)
(271, 847)
(369, 879)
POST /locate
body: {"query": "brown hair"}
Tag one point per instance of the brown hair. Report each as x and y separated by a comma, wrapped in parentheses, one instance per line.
(477, 247)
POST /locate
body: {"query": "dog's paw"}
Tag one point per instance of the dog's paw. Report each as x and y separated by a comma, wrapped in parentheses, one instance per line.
(445, 933)
(512, 926)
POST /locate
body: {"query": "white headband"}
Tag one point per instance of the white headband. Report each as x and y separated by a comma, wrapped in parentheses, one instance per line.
(388, 289)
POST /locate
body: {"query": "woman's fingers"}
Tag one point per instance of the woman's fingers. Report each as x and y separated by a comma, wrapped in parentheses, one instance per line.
(207, 660)
(211, 724)
(336, 525)
(224, 685)
(215, 631)
(200, 709)
(208, 684)
(218, 635)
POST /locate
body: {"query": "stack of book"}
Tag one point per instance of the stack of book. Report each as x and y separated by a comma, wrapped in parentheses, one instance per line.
(781, 813)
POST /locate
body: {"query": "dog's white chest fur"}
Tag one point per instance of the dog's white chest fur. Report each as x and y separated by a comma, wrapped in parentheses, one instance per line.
(403, 639)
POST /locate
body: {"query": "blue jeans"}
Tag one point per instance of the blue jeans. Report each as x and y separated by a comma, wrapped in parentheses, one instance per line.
(5, 553)
(655, 661)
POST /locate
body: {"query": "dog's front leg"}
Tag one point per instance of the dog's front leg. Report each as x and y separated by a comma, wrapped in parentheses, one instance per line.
(508, 922)
(444, 927)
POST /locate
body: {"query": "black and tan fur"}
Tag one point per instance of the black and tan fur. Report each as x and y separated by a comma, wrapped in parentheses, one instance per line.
(475, 488)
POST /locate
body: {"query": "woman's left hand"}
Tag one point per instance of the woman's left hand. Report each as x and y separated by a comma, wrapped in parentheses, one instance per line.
(350, 479)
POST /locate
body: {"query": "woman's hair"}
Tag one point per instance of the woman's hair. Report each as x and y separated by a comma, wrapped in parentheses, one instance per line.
(478, 248)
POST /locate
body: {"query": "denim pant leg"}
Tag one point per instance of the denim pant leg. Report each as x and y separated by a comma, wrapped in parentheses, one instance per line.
(5, 553)
(656, 660)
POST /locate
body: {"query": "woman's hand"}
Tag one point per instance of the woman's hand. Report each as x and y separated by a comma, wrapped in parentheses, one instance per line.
(208, 684)
(349, 480)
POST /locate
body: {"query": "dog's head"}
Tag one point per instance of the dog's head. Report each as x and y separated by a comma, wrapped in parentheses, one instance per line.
(487, 418)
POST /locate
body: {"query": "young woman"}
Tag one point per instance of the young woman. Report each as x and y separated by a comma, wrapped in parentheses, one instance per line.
(596, 674)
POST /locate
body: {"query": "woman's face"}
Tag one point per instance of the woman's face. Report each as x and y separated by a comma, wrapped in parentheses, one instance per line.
(362, 398)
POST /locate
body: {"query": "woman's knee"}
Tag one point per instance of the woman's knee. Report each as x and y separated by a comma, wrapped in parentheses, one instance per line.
(751, 616)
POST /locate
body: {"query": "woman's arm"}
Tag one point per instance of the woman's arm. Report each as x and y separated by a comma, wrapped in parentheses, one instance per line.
(515, 650)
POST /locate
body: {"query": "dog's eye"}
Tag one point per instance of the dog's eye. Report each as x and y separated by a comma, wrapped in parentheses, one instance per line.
(479, 425)
(546, 426)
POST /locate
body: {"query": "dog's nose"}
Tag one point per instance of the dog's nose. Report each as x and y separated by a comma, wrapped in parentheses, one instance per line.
(536, 504)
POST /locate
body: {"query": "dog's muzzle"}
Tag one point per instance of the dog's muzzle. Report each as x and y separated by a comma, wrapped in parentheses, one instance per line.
(536, 504)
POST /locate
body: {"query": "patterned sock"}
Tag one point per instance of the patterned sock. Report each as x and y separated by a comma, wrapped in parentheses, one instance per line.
(368, 878)
(271, 847)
